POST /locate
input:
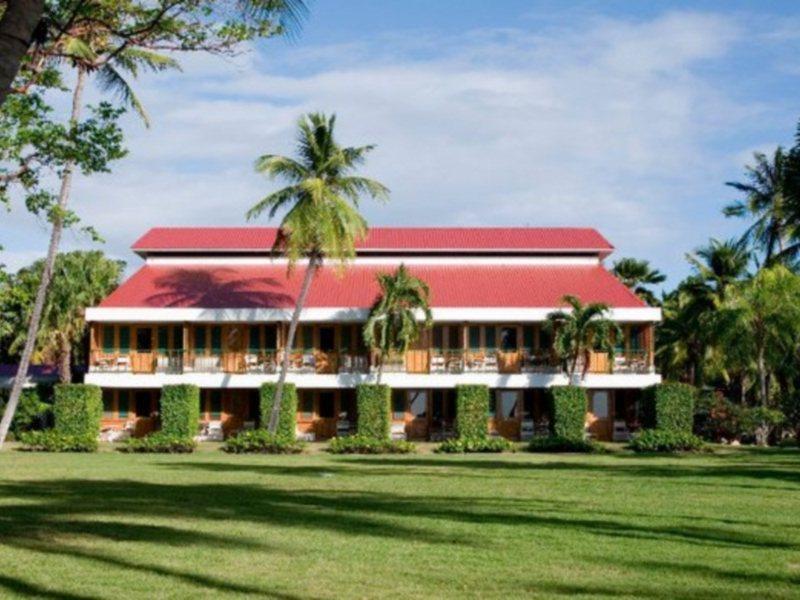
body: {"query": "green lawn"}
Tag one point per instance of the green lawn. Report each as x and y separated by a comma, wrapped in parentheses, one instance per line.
(208, 524)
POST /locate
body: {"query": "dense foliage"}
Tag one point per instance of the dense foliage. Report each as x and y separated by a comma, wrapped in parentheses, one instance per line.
(472, 411)
(560, 444)
(77, 409)
(669, 407)
(261, 441)
(159, 442)
(568, 407)
(374, 411)
(51, 440)
(180, 410)
(363, 444)
(665, 440)
(461, 445)
(35, 410)
(288, 415)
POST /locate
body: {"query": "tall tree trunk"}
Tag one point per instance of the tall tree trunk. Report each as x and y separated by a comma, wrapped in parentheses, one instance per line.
(313, 264)
(380, 370)
(762, 376)
(47, 272)
(17, 25)
(64, 359)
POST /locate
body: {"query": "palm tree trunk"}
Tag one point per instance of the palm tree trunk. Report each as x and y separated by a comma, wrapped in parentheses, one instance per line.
(47, 272)
(380, 370)
(762, 376)
(64, 360)
(17, 25)
(313, 264)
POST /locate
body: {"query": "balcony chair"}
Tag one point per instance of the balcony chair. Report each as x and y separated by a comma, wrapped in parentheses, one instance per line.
(527, 429)
(437, 364)
(123, 363)
(490, 363)
(308, 363)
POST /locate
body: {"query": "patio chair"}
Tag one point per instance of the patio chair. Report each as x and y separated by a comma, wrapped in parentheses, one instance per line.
(398, 431)
(309, 363)
(123, 363)
(437, 364)
(527, 429)
(490, 363)
(621, 432)
(342, 427)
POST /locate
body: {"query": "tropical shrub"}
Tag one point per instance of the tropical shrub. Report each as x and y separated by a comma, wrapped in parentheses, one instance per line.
(180, 411)
(51, 440)
(287, 419)
(77, 409)
(261, 441)
(472, 411)
(374, 411)
(560, 444)
(716, 418)
(362, 444)
(469, 445)
(669, 406)
(34, 410)
(568, 407)
(664, 440)
(760, 422)
(159, 442)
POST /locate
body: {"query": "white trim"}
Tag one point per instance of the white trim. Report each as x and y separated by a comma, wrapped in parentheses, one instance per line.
(375, 260)
(397, 380)
(397, 251)
(341, 314)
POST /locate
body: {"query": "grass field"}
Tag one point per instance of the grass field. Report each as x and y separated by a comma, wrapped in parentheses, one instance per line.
(209, 525)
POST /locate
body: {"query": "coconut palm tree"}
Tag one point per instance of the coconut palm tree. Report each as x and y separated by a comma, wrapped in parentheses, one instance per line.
(579, 331)
(720, 264)
(393, 323)
(638, 276)
(321, 217)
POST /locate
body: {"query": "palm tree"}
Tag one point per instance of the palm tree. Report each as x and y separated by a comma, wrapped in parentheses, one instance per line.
(393, 325)
(766, 191)
(321, 204)
(720, 264)
(580, 331)
(638, 275)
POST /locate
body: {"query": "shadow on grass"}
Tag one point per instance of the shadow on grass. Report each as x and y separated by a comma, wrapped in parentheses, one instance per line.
(22, 588)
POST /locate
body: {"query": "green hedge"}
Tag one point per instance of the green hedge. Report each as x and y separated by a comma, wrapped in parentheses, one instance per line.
(159, 442)
(34, 410)
(669, 407)
(476, 445)
(568, 410)
(180, 410)
(663, 440)
(472, 411)
(287, 422)
(374, 411)
(51, 440)
(361, 444)
(78, 409)
(260, 441)
(557, 444)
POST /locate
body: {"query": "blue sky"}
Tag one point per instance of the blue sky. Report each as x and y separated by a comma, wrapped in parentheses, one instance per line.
(625, 116)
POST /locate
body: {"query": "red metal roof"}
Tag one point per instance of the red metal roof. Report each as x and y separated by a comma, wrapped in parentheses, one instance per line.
(439, 239)
(457, 286)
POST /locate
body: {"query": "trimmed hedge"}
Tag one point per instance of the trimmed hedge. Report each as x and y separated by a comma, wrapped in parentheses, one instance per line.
(374, 411)
(361, 444)
(78, 409)
(669, 407)
(287, 421)
(470, 445)
(663, 440)
(51, 440)
(159, 442)
(559, 444)
(261, 441)
(180, 410)
(472, 411)
(568, 407)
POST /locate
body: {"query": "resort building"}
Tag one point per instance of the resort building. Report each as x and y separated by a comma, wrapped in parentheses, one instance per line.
(211, 307)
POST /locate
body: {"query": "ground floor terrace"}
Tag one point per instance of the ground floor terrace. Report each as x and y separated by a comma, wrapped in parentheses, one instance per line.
(417, 414)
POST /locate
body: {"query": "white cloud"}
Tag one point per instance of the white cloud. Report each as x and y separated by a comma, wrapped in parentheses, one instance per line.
(602, 122)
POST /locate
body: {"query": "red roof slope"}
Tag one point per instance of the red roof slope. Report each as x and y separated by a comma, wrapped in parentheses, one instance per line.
(253, 286)
(248, 239)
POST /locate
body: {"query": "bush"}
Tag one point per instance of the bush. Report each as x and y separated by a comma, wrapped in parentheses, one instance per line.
(663, 440)
(560, 444)
(568, 407)
(669, 406)
(159, 442)
(260, 441)
(287, 421)
(34, 410)
(78, 409)
(472, 411)
(362, 444)
(374, 411)
(180, 411)
(51, 440)
(716, 418)
(465, 445)
(761, 421)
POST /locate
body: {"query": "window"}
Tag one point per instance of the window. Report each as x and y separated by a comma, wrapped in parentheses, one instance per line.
(398, 404)
(123, 403)
(450, 404)
(177, 337)
(528, 400)
(327, 405)
(163, 340)
(216, 404)
(144, 339)
(528, 338)
(600, 404)
(438, 338)
(124, 339)
(307, 404)
(418, 404)
(346, 338)
(348, 408)
(254, 406)
(437, 405)
(144, 404)
(327, 339)
(200, 340)
(108, 339)
(636, 338)
(108, 404)
(254, 341)
(491, 342)
(492, 404)
(474, 337)
(508, 339)
(454, 337)
(270, 337)
(508, 404)
(216, 340)
(308, 339)
(545, 339)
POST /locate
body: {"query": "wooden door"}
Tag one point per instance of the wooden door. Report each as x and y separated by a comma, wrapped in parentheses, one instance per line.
(508, 416)
(418, 356)
(599, 417)
(327, 409)
(418, 425)
(599, 362)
